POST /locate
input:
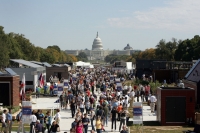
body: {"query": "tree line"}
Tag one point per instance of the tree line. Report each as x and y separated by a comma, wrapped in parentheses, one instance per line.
(16, 46)
(174, 50)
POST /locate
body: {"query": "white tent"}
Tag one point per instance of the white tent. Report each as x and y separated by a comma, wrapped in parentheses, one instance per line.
(82, 64)
(129, 67)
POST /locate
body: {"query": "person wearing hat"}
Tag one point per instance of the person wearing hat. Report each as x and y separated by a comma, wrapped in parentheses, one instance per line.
(38, 127)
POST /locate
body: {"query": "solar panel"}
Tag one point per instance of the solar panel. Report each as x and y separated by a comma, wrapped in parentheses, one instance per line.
(66, 65)
(10, 71)
(36, 62)
(1, 73)
(193, 67)
(46, 64)
(26, 63)
(57, 65)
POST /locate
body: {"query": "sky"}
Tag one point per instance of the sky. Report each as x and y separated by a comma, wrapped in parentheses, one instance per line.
(73, 24)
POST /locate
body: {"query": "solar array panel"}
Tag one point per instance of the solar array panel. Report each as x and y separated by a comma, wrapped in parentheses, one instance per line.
(46, 64)
(26, 63)
(193, 67)
(10, 71)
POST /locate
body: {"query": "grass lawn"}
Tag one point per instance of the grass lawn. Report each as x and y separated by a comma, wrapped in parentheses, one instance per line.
(159, 129)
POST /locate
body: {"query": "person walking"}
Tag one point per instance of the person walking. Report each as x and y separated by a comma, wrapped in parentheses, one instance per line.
(85, 122)
(3, 120)
(81, 106)
(37, 92)
(45, 89)
(33, 121)
(51, 90)
(98, 124)
(20, 119)
(106, 110)
(41, 117)
(92, 117)
(9, 120)
(57, 117)
(48, 121)
(153, 103)
(73, 108)
(38, 127)
(54, 128)
(113, 117)
(119, 109)
(79, 127)
(123, 118)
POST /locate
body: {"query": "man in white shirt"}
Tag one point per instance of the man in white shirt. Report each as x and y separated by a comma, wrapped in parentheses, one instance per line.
(132, 95)
(57, 117)
(3, 120)
(118, 94)
(153, 101)
(125, 105)
(33, 122)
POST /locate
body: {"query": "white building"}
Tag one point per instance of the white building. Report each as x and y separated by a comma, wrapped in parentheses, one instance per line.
(98, 53)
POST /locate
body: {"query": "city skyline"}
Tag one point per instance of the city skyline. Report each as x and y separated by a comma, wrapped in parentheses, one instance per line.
(73, 25)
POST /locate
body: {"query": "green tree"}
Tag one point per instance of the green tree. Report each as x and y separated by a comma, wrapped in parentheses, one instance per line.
(55, 47)
(82, 57)
(47, 57)
(4, 54)
(166, 50)
(188, 49)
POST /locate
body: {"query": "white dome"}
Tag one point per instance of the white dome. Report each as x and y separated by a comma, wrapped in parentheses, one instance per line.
(97, 44)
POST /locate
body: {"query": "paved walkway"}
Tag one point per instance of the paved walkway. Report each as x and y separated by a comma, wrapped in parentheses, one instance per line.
(66, 120)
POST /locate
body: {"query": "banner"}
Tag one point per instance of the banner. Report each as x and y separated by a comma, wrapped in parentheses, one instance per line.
(26, 112)
(137, 113)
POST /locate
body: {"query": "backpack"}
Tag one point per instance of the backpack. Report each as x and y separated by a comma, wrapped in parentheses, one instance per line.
(91, 100)
(19, 115)
(123, 114)
(61, 98)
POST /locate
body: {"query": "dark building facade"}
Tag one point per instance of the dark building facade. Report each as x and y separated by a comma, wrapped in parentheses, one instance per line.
(162, 70)
(175, 106)
(9, 90)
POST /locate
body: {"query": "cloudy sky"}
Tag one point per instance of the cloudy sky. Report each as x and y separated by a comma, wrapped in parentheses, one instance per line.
(73, 24)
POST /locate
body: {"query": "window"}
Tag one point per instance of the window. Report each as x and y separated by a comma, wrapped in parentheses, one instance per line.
(29, 82)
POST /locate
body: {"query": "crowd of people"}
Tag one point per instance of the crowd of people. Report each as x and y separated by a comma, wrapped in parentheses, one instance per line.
(95, 99)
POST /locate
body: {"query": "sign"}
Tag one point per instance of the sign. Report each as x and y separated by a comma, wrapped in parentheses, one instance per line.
(119, 86)
(117, 80)
(60, 89)
(66, 84)
(137, 113)
(26, 112)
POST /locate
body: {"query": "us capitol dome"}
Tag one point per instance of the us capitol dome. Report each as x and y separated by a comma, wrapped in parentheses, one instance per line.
(98, 53)
(97, 43)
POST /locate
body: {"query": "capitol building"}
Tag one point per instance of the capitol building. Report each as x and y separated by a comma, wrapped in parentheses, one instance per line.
(98, 53)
